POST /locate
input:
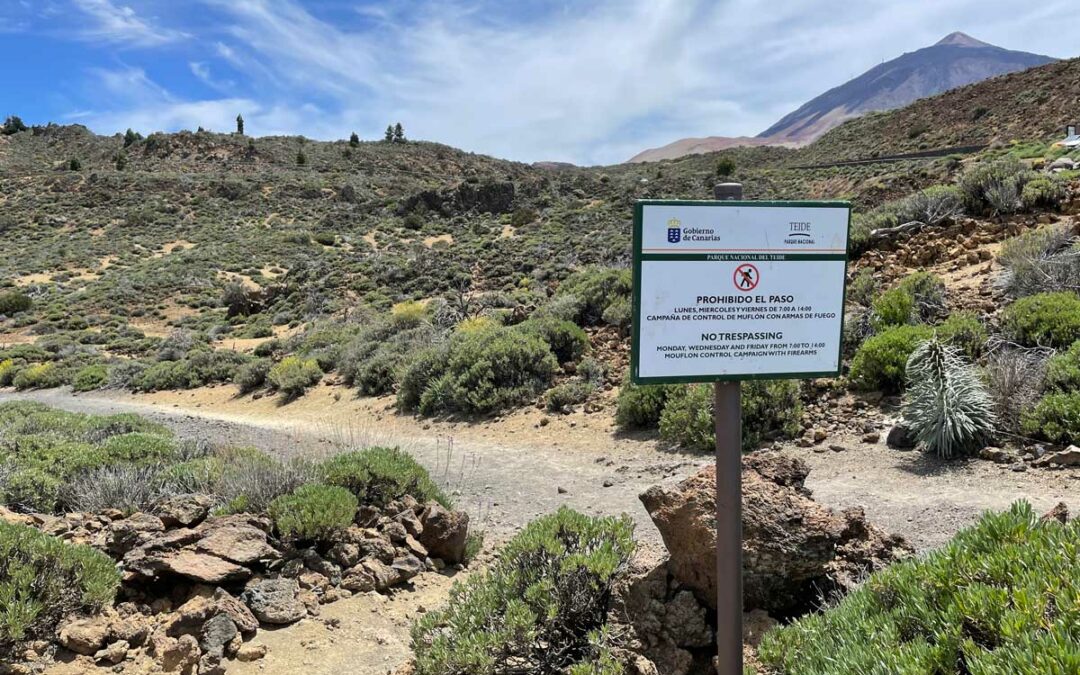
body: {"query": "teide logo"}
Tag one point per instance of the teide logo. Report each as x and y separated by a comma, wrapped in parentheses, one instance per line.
(674, 231)
(799, 234)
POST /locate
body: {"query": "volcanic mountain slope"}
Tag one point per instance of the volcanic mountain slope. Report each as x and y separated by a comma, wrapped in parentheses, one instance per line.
(955, 61)
(1032, 105)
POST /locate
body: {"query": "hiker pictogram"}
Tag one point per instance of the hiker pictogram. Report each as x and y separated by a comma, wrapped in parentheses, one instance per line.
(746, 277)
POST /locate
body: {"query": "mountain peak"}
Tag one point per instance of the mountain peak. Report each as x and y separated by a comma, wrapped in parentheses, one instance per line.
(961, 40)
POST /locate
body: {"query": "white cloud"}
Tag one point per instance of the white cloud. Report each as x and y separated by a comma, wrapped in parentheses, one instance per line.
(120, 24)
(593, 84)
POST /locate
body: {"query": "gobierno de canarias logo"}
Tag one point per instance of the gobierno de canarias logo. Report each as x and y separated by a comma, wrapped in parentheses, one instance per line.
(674, 231)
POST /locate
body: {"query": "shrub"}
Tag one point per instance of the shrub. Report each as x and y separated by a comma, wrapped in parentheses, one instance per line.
(409, 312)
(425, 367)
(567, 394)
(313, 512)
(947, 406)
(293, 375)
(126, 487)
(964, 331)
(42, 579)
(932, 205)
(595, 289)
(378, 476)
(13, 302)
(863, 288)
(994, 187)
(1063, 370)
(894, 307)
(880, 361)
(1044, 320)
(1014, 378)
(567, 340)
(770, 409)
(1043, 192)
(639, 406)
(139, 447)
(989, 603)
(251, 480)
(252, 375)
(1056, 418)
(1039, 261)
(483, 372)
(90, 378)
(542, 608)
(8, 371)
(39, 376)
(927, 292)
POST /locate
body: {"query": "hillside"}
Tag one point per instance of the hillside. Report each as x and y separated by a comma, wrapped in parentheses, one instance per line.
(1035, 104)
(955, 61)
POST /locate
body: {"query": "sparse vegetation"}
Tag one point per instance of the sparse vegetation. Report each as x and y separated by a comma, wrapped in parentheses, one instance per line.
(313, 512)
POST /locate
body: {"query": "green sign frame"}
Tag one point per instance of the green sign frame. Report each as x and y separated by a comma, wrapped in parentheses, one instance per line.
(635, 334)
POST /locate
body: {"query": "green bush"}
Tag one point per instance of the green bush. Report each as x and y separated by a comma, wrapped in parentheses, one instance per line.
(1045, 319)
(639, 406)
(541, 609)
(90, 378)
(13, 302)
(594, 290)
(1043, 192)
(43, 579)
(880, 361)
(894, 307)
(1056, 418)
(988, 603)
(863, 288)
(947, 406)
(927, 292)
(313, 512)
(1063, 370)
(293, 375)
(378, 476)
(965, 331)
(252, 375)
(480, 372)
(568, 342)
(770, 409)
(39, 376)
(559, 398)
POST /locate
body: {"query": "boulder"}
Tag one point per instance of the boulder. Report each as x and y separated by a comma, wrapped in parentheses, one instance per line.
(407, 567)
(900, 437)
(234, 540)
(132, 531)
(216, 633)
(85, 636)
(200, 567)
(793, 549)
(274, 601)
(1070, 456)
(444, 533)
(183, 510)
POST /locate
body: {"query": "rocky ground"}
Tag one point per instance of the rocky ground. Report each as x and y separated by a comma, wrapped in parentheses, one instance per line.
(505, 472)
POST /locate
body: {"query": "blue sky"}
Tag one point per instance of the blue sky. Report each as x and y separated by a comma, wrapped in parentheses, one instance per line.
(590, 82)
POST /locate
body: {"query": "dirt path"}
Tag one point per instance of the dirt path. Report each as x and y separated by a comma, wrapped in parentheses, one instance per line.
(510, 470)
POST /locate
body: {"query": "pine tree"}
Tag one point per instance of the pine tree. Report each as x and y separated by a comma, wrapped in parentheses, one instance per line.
(240, 125)
(389, 138)
(13, 125)
(399, 133)
(121, 161)
(354, 140)
(301, 158)
(131, 138)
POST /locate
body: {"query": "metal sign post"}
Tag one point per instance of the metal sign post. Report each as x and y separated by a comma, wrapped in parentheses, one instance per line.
(727, 418)
(731, 290)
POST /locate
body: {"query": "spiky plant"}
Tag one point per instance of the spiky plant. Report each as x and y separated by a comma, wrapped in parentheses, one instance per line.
(947, 405)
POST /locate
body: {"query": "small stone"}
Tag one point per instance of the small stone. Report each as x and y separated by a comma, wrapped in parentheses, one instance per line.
(114, 653)
(871, 438)
(820, 435)
(85, 636)
(274, 601)
(608, 482)
(250, 652)
(1019, 467)
(837, 448)
(561, 490)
